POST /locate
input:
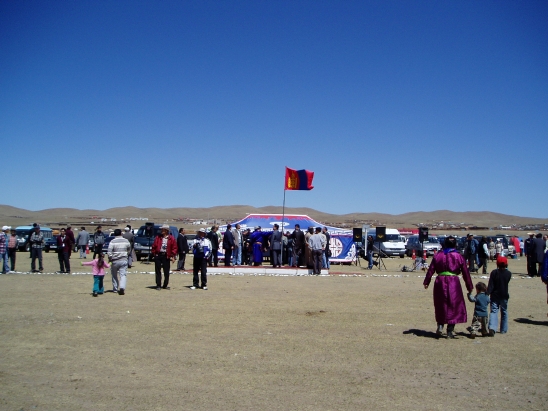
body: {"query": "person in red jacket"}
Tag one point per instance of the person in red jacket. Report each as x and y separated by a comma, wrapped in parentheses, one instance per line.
(164, 250)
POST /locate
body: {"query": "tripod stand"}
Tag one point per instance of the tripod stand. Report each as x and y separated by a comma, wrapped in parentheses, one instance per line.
(378, 262)
(357, 261)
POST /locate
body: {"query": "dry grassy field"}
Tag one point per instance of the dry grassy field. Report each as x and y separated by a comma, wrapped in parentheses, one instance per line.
(355, 340)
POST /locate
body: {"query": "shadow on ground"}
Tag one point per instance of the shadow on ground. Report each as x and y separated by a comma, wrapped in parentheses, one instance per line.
(529, 321)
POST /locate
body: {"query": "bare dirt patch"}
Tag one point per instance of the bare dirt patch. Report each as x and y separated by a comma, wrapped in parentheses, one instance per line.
(252, 343)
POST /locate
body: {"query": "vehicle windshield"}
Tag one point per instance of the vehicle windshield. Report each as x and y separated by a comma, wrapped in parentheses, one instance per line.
(21, 233)
(143, 233)
(393, 238)
(432, 240)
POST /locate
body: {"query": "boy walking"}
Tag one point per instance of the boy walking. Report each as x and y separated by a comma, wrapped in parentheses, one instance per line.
(498, 291)
(479, 321)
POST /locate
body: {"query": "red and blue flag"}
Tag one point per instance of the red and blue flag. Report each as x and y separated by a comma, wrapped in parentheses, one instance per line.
(298, 179)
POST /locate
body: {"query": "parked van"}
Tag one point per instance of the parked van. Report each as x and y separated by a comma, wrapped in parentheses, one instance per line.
(431, 245)
(392, 247)
(22, 233)
(144, 239)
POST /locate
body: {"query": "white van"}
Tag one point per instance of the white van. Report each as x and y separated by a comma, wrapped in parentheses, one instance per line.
(393, 246)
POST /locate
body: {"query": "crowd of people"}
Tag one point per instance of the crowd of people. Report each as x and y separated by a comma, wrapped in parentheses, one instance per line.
(295, 249)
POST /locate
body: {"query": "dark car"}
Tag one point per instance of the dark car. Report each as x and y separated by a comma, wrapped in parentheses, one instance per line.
(430, 245)
(145, 237)
(51, 244)
(106, 243)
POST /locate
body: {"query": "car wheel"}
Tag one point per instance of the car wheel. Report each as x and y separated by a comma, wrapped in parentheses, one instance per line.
(138, 257)
(402, 255)
(47, 251)
(27, 247)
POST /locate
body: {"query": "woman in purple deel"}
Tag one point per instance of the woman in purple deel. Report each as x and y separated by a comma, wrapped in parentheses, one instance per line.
(448, 297)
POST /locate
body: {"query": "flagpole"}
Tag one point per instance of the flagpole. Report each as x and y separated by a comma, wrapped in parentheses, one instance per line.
(283, 217)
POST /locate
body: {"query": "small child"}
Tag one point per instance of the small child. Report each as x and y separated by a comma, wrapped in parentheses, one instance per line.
(99, 265)
(480, 310)
(498, 291)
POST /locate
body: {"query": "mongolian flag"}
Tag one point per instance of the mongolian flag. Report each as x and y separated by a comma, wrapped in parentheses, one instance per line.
(298, 179)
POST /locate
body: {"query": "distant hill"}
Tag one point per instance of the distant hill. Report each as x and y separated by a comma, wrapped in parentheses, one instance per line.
(54, 216)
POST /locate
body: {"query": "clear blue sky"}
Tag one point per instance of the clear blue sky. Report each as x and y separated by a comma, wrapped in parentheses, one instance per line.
(396, 106)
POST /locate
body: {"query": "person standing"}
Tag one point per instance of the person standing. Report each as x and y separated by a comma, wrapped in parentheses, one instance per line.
(288, 255)
(307, 250)
(246, 247)
(471, 252)
(515, 243)
(316, 244)
(497, 290)
(63, 252)
(164, 250)
(30, 233)
(276, 246)
(182, 249)
(491, 249)
(531, 255)
(369, 251)
(540, 246)
(201, 248)
(118, 250)
(298, 246)
(237, 254)
(498, 248)
(214, 240)
(12, 248)
(327, 251)
(256, 240)
(483, 254)
(4, 248)
(544, 273)
(228, 244)
(71, 239)
(449, 303)
(98, 240)
(36, 244)
(128, 235)
(82, 241)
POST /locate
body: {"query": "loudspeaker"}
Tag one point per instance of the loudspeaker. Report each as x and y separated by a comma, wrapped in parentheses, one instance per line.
(357, 235)
(149, 229)
(423, 234)
(381, 235)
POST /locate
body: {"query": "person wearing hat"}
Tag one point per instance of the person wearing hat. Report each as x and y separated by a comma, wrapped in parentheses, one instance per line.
(12, 248)
(118, 250)
(164, 250)
(4, 248)
(36, 244)
(201, 248)
(497, 290)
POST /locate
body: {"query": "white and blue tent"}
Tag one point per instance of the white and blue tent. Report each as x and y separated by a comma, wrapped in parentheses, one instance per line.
(342, 247)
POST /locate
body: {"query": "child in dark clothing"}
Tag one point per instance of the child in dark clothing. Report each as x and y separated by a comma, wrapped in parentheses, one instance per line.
(498, 291)
(479, 321)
